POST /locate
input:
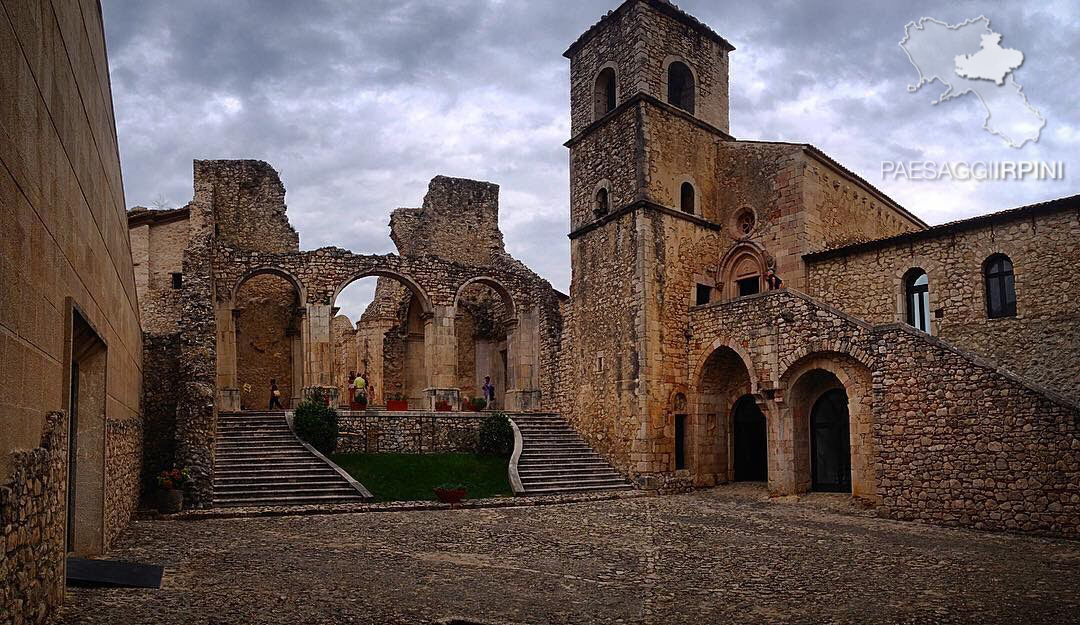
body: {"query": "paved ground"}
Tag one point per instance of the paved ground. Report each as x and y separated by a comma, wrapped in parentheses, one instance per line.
(721, 556)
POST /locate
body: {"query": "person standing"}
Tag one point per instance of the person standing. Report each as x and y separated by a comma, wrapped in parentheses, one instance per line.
(360, 385)
(489, 392)
(275, 395)
(351, 390)
(773, 281)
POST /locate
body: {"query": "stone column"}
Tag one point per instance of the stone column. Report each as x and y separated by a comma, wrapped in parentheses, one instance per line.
(781, 446)
(317, 349)
(440, 357)
(522, 362)
(228, 392)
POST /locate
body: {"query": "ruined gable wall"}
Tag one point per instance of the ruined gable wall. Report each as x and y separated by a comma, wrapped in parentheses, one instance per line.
(1042, 342)
(248, 204)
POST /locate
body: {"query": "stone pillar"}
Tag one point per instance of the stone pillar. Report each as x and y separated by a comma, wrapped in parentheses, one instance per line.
(781, 447)
(317, 348)
(522, 362)
(228, 391)
(440, 357)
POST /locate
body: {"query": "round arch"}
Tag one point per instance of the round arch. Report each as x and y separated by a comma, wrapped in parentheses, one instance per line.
(498, 287)
(733, 345)
(406, 280)
(275, 271)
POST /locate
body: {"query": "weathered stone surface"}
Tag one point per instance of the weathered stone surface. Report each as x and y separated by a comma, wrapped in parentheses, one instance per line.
(621, 561)
(409, 433)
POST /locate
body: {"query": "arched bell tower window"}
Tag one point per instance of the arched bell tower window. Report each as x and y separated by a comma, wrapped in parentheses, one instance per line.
(687, 198)
(1000, 287)
(601, 203)
(680, 85)
(604, 94)
(917, 298)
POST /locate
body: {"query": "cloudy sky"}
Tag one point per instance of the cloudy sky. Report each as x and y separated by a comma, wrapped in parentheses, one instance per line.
(359, 103)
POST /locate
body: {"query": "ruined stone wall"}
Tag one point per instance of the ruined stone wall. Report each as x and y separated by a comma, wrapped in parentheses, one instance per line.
(248, 205)
(412, 433)
(343, 337)
(161, 393)
(32, 540)
(459, 221)
(124, 464)
(1042, 342)
(640, 40)
(266, 327)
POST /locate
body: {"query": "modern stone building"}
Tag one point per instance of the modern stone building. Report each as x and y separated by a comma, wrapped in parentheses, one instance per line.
(70, 342)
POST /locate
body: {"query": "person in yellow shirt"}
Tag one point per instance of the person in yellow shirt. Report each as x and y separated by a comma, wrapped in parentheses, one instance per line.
(360, 387)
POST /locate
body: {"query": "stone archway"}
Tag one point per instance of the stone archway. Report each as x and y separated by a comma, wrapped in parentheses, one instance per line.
(723, 378)
(267, 323)
(829, 398)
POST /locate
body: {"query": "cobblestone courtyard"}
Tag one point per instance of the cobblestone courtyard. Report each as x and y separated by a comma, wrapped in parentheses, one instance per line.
(721, 556)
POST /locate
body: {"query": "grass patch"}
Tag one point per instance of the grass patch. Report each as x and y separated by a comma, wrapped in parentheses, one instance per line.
(411, 477)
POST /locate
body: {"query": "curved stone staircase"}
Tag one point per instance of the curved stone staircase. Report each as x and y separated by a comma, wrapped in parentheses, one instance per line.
(260, 462)
(550, 458)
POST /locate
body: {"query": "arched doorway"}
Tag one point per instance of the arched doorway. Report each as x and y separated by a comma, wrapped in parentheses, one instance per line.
(749, 442)
(269, 340)
(723, 380)
(830, 443)
(489, 346)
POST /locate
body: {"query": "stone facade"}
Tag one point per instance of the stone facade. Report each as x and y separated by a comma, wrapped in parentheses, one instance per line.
(674, 227)
(70, 338)
(409, 433)
(1041, 342)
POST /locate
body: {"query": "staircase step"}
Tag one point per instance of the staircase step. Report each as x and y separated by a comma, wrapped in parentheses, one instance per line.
(304, 487)
(297, 500)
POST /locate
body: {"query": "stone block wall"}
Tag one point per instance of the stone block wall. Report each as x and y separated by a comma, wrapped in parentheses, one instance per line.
(639, 39)
(124, 464)
(408, 433)
(161, 393)
(605, 157)
(1042, 342)
(32, 523)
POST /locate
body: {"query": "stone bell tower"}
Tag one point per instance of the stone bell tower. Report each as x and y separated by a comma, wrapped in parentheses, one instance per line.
(649, 106)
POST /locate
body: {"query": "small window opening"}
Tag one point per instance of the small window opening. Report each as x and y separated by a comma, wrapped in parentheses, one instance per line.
(702, 295)
(745, 223)
(601, 205)
(917, 292)
(749, 286)
(604, 100)
(681, 87)
(177, 280)
(1000, 287)
(687, 198)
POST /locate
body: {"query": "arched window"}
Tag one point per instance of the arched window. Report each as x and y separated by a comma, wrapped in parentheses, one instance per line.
(1000, 287)
(917, 298)
(680, 91)
(600, 206)
(604, 100)
(686, 198)
(746, 277)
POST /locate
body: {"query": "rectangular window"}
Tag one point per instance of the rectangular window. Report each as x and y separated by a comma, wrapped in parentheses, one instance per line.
(680, 442)
(749, 286)
(177, 280)
(702, 295)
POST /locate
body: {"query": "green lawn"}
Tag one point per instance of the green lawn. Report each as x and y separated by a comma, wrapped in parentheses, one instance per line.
(411, 477)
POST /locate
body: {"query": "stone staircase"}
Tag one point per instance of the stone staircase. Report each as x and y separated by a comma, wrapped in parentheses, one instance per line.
(260, 462)
(554, 460)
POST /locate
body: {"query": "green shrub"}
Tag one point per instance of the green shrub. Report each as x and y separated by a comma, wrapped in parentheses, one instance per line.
(496, 436)
(317, 423)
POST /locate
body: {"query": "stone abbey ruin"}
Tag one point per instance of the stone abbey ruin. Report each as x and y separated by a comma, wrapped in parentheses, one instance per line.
(930, 372)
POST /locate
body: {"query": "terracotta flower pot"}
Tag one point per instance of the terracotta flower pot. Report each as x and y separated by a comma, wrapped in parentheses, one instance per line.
(397, 405)
(170, 501)
(450, 496)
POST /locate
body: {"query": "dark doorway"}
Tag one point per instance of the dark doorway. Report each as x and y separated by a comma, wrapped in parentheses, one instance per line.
(830, 443)
(680, 442)
(750, 442)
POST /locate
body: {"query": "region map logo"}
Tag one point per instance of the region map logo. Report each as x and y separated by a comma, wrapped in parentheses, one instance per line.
(968, 60)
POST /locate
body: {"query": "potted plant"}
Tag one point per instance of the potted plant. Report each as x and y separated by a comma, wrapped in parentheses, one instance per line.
(359, 402)
(397, 404)
(450, 493)
(171, 485)
(443, 406)
(478, 404)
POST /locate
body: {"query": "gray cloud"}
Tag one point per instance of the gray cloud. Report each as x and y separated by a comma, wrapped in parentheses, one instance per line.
(359, 104)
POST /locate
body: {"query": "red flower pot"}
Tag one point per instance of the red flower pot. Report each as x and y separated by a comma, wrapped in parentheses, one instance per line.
(450, 496)
(397, 405)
